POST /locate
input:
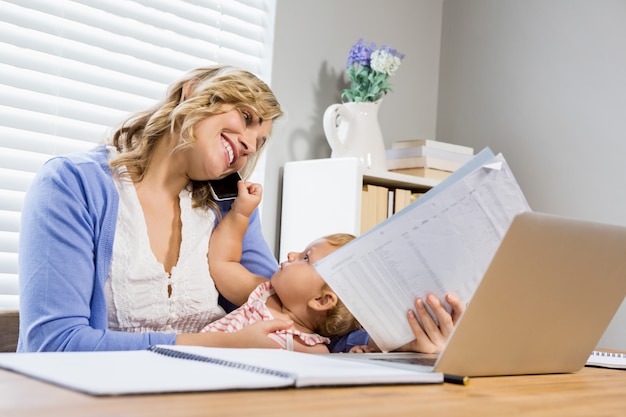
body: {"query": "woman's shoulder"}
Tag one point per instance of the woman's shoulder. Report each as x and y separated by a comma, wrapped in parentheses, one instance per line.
(97, 156)
(76, 173)
(93, 162)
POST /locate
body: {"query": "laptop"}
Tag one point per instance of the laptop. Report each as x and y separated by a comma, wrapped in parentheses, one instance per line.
(541, 307)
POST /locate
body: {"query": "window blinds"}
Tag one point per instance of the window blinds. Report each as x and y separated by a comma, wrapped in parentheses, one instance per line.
(69, 70)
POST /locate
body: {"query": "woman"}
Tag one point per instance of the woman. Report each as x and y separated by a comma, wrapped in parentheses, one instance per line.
(113, 242)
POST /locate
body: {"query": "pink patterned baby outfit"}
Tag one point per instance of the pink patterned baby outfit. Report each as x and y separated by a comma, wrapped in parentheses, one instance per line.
(255, 310)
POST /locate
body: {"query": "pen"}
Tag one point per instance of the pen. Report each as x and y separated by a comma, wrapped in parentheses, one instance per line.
(456, 379)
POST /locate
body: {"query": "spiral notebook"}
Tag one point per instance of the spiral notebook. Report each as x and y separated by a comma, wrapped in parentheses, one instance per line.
(166, 369)
(602, 359)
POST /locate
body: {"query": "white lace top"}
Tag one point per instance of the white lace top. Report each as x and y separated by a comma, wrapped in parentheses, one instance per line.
(137, 288)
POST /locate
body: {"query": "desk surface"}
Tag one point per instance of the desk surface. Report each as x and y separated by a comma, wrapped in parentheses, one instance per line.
(591, 391)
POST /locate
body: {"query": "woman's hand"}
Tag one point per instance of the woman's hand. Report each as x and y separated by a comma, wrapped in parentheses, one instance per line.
(431, 337)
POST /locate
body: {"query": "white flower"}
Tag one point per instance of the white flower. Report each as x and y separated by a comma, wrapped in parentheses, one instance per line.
(385, 62)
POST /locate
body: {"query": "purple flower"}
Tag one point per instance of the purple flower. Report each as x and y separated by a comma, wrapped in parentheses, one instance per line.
(360, 53)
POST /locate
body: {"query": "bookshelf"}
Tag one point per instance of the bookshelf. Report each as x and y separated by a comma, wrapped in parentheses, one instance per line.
(323, 196)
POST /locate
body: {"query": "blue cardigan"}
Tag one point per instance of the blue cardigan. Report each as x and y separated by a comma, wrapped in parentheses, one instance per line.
(66, 242)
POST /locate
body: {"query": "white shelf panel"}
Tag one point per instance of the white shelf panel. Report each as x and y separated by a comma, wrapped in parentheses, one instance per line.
(323, 196)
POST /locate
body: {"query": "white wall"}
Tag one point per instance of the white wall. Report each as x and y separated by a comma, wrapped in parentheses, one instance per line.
(543, 82)
(312, 41)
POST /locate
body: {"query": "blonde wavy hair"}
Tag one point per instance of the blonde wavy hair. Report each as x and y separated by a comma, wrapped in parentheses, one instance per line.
(339, 321)
(200, 93)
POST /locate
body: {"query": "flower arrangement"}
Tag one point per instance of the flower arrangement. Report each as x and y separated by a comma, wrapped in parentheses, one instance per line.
(369, 69)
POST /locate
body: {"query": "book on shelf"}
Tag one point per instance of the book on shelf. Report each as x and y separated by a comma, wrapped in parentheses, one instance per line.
(374, 205)
(603, 359)
(415, 196)
(379, 203)
(402, 199)
(423, 162)
(168, 369)
(379, 275)
(368, 207)
(435, 174)
(435, 144)
(382, 202)
(397, 153)
(391, 201)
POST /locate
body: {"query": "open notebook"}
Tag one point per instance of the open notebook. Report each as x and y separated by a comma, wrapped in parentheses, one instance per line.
(164, 369)
(545, 300)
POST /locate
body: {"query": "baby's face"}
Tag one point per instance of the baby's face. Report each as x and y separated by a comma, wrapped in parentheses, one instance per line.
(314, 252)
(296, 277)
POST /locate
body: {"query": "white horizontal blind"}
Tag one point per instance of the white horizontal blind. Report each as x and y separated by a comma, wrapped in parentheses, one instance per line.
(69, 70)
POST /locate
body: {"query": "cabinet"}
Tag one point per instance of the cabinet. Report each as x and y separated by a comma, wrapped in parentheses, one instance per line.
(323, 196)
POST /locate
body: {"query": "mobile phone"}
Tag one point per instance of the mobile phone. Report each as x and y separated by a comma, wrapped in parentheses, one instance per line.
(225, 188)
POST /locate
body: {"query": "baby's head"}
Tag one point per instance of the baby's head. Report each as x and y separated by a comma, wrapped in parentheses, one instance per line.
(298, 284)
(339, 321)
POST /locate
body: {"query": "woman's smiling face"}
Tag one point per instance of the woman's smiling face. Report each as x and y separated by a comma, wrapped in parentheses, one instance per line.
(224, 142)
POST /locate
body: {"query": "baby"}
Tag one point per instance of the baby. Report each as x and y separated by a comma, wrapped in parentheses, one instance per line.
(295, 292)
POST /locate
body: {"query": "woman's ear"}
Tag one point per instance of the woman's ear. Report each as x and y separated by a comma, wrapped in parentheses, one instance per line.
(325, 302)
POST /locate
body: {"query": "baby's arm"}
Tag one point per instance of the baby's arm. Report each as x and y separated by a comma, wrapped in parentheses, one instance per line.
(231, 278)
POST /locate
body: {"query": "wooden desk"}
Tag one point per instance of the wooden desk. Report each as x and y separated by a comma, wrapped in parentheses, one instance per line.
(592, 391)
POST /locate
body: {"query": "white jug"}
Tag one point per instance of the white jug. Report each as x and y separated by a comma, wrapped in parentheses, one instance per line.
(352, 129)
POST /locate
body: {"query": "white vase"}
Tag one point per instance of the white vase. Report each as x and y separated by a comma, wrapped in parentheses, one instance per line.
(352, 129)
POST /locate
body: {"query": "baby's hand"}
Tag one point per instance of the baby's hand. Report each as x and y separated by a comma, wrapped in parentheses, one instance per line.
(248, 198)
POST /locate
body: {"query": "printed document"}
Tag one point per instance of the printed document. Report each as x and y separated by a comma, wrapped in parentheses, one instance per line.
(443, 242)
